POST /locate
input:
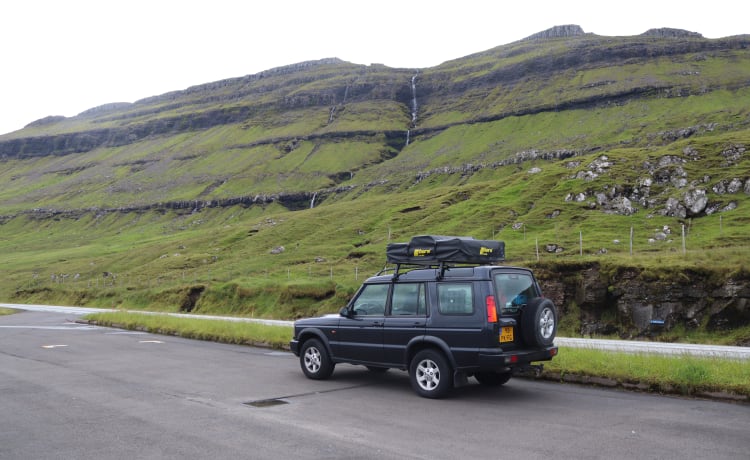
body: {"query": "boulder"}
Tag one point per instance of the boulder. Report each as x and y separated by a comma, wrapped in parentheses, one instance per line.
(695, 201)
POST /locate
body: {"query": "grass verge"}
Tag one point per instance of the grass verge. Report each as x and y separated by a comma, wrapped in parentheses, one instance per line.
(685, 375)
(236, 332)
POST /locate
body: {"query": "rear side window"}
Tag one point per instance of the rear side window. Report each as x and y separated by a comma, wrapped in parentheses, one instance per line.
(455, 298)
(408, 299)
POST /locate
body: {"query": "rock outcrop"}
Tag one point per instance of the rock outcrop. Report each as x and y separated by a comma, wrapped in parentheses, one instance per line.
(631, 304)
(570, 30)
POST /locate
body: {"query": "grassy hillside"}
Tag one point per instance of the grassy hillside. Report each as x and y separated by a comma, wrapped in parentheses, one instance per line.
(275, 194)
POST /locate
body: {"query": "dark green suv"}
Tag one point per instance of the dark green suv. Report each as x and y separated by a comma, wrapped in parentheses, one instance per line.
(442, 318)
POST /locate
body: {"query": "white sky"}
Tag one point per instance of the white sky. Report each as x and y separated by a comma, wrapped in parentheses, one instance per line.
(61, 57)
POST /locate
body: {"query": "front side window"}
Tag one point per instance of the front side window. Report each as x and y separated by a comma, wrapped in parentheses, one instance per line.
(455, 298)
(371, 300)
(514, 290)
(408, 299)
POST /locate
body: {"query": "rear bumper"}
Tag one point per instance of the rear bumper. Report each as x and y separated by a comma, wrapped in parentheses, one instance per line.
(499, 360)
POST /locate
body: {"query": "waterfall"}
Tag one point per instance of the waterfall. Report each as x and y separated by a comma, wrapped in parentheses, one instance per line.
(312, 201)
(413, 106)
(414, 100)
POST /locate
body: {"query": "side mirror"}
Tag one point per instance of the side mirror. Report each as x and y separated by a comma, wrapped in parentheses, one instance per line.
(344, 312)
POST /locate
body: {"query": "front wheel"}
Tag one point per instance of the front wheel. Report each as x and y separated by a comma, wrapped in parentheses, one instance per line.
(430, 374)
(314, 360)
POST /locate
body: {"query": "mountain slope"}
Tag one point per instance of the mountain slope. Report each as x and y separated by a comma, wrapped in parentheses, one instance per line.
(549, 142)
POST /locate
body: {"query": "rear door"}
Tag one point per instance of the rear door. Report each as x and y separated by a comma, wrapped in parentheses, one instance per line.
(458, 319)
(406, 319)
(514, 289)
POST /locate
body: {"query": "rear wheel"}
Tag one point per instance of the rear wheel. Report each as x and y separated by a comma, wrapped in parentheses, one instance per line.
(539, 323)
(430, 374)
(314, 360)
(492, 379)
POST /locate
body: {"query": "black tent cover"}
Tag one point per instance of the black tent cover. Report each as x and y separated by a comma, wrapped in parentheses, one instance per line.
(435, 249)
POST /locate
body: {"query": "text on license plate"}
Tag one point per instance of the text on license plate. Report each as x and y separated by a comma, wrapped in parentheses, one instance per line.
(506, 334)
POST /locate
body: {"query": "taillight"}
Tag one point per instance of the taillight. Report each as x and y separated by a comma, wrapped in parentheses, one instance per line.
(491, 309)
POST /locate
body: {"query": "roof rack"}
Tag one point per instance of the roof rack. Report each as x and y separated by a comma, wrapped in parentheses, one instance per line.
(443, 252)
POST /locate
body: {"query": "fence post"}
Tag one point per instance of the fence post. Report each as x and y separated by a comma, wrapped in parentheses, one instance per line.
(631, 241)
(580, 242)
(684, 250)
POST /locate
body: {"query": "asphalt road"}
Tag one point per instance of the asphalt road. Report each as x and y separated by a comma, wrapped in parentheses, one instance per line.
(626, 346)
(71, 391)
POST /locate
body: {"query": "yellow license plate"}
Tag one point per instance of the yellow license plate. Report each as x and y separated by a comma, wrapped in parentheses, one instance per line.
(506, 334)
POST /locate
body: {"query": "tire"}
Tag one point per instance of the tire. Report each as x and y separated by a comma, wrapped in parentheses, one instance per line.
(430, 375)
(492, 379)
(539, 323)
(314, 359)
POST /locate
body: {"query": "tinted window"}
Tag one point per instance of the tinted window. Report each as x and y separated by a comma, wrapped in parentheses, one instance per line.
(513, 290)
(408, 299)
(455, 298)
(371, 300)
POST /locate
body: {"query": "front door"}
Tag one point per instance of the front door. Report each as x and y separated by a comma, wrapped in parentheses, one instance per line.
(360, 334)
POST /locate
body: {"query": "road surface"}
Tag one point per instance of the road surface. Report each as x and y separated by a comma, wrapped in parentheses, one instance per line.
(627, 346)
(69, 390)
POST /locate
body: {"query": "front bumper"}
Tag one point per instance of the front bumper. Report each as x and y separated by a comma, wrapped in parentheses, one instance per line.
(294, 346)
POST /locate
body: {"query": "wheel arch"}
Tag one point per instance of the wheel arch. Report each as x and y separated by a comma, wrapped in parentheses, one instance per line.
(313, 333)
(429, 342)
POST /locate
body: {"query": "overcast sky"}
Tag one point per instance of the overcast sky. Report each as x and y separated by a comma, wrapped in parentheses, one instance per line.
(61, 57)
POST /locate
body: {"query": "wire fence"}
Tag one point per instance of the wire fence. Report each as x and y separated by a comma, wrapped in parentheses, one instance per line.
(352, 273)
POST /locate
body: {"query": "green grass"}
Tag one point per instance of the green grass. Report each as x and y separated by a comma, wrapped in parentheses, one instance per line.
(7, 311)
(683, 374)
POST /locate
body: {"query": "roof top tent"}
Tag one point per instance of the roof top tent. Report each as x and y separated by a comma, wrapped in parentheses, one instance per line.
(443, 251)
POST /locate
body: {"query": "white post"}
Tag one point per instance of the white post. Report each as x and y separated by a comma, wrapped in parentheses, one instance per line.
(631, 241)
(537, 249)
(684, 250)
(580, 242)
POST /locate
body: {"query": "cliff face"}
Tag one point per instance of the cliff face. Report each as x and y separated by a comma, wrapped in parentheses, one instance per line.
(629, 303)
(570, 30)
(330, 84)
